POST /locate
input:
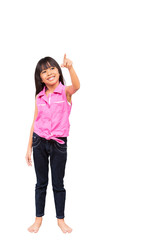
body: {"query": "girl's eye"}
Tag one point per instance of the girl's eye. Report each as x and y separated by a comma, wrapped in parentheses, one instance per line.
(50, 68)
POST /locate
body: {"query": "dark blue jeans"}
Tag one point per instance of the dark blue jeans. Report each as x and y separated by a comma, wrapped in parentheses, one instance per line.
(42, 150)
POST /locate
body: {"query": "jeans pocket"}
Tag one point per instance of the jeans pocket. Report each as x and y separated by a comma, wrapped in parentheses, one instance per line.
(36, 140)
(61, 147)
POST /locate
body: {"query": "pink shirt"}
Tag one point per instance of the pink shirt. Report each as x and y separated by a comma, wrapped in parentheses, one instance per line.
(53, 114)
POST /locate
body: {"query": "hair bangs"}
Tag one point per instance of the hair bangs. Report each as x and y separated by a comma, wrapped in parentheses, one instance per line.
(46, 63)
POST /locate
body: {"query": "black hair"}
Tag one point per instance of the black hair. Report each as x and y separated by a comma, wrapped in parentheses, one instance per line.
(45, 63)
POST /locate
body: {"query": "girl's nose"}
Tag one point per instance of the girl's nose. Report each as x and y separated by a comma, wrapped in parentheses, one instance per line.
(48, 72)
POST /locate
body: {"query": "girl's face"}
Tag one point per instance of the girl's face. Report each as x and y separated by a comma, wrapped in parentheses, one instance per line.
(50, 76)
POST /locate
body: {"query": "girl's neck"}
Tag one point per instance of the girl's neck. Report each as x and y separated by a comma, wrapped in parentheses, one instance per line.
(50, 89)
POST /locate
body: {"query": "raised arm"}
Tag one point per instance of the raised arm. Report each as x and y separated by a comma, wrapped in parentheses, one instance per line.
(74, 78)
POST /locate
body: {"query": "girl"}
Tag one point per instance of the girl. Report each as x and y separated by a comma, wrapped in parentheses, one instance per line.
(48, 135)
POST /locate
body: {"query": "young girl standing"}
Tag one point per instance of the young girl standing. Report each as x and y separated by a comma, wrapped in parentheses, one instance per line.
(48, 135)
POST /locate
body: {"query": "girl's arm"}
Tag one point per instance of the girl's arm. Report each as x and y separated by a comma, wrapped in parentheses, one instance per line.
(75, 82)
(32, 127)
(30, 137)
(74, 78)
(29, 149)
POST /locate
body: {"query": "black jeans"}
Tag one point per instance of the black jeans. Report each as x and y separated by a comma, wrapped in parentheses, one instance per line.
(42, 150)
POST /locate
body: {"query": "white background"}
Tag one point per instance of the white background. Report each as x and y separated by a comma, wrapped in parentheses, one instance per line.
(112, 175)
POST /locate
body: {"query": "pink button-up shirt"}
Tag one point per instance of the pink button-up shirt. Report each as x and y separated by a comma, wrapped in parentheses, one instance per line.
(53, 114)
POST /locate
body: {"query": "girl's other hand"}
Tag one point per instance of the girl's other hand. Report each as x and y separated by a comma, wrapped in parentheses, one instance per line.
(28, 157)
(66, 62)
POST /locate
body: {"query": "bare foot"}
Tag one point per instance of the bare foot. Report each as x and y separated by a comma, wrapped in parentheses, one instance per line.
(64, 227)
(36, 225)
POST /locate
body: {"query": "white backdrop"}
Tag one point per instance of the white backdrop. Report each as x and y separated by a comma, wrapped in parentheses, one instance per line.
(112, 173)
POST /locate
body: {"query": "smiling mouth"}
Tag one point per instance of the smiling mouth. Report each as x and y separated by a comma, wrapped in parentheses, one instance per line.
(50, 79)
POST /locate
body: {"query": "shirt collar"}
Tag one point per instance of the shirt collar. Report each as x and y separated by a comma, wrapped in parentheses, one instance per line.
(58, 89)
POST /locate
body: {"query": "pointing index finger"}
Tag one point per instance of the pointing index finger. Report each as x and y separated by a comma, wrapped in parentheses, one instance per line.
(64, 57)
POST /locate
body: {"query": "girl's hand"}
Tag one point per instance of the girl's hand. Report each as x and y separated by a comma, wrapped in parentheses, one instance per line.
(28, 157)
(66, 62)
